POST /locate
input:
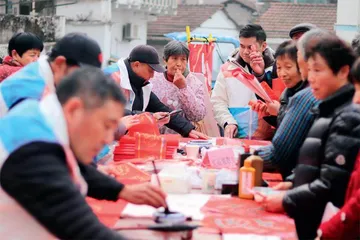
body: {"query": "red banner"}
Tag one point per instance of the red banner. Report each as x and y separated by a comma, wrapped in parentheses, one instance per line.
(201, 60)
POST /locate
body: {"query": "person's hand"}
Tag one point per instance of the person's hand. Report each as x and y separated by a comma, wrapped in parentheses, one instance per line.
(273, 203)
(107, 170)
(197, 135)
(162, 118)
(273, 108)
(258, 106)
(283, 186)
(129, 121)
(144, 193)
(179, 79)
(257, 61)
(231, 130)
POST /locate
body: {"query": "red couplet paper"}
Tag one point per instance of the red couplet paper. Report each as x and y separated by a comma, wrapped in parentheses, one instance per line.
(147, 124)
(235, 215)
(108, 212)
(148, 145)
(200, 60)
(278, 86)
(219, 158)
(269, 91)
(128, 173)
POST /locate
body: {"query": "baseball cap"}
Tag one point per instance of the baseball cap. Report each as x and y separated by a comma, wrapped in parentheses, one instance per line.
(78, 48)
(300, 28)
(146, 54)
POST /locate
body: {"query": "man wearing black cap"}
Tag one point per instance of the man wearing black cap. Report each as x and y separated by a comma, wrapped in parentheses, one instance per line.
(295, 34)
(297, 31)
(133, 75)
(39, 78)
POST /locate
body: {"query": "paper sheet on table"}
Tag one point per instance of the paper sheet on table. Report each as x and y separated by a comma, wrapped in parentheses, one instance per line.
(232, 236)
(187, 204)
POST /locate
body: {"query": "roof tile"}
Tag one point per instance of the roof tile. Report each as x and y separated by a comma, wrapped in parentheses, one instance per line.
(192, 15)
(279, 18)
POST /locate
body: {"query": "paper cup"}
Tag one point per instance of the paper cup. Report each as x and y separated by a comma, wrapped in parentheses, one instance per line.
(208, 180)
(192, 151)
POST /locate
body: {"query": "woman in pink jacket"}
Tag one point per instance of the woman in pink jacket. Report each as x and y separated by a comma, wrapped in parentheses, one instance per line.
(178, 88)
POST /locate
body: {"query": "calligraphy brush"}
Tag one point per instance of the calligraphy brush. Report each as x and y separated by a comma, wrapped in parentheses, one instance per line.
(158, 180)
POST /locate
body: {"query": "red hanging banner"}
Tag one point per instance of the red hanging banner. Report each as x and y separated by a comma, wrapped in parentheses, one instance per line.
(201, 60)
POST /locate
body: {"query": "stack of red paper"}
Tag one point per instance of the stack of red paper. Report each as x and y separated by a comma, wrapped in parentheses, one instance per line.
(144, 145)
(125, 149)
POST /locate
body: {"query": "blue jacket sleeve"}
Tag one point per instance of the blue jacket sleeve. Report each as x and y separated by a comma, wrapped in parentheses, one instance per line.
(290, 135)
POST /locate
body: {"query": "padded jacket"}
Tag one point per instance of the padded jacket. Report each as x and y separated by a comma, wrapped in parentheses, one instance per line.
(325, 162)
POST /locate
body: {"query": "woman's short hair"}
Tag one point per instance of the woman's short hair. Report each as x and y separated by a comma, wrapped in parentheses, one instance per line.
(175, 48)
(24, 41)
(335, 52)
(289, 49)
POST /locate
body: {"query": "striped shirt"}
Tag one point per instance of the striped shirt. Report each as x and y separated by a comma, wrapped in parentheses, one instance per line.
(290, 135)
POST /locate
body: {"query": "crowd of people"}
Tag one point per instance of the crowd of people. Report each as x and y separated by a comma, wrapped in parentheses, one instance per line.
(58, 110)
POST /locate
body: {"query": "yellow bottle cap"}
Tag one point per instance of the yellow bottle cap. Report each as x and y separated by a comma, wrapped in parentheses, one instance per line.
(247, 163)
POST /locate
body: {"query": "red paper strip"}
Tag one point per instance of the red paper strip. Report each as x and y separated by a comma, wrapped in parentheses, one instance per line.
(278, 86)
(269, 91)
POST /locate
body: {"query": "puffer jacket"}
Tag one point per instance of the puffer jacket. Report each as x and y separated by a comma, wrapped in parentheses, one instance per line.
(325, 162)
(346, 223)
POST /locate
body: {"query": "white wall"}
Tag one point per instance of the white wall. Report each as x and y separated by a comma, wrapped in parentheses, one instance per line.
(104, 22)
(120, 17)
(100, 32)
(275, 42)
(86, 9)
(218, 24)
(348, 19)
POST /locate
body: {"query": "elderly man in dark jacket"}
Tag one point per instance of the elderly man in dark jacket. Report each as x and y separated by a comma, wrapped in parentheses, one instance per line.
(328, 153)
